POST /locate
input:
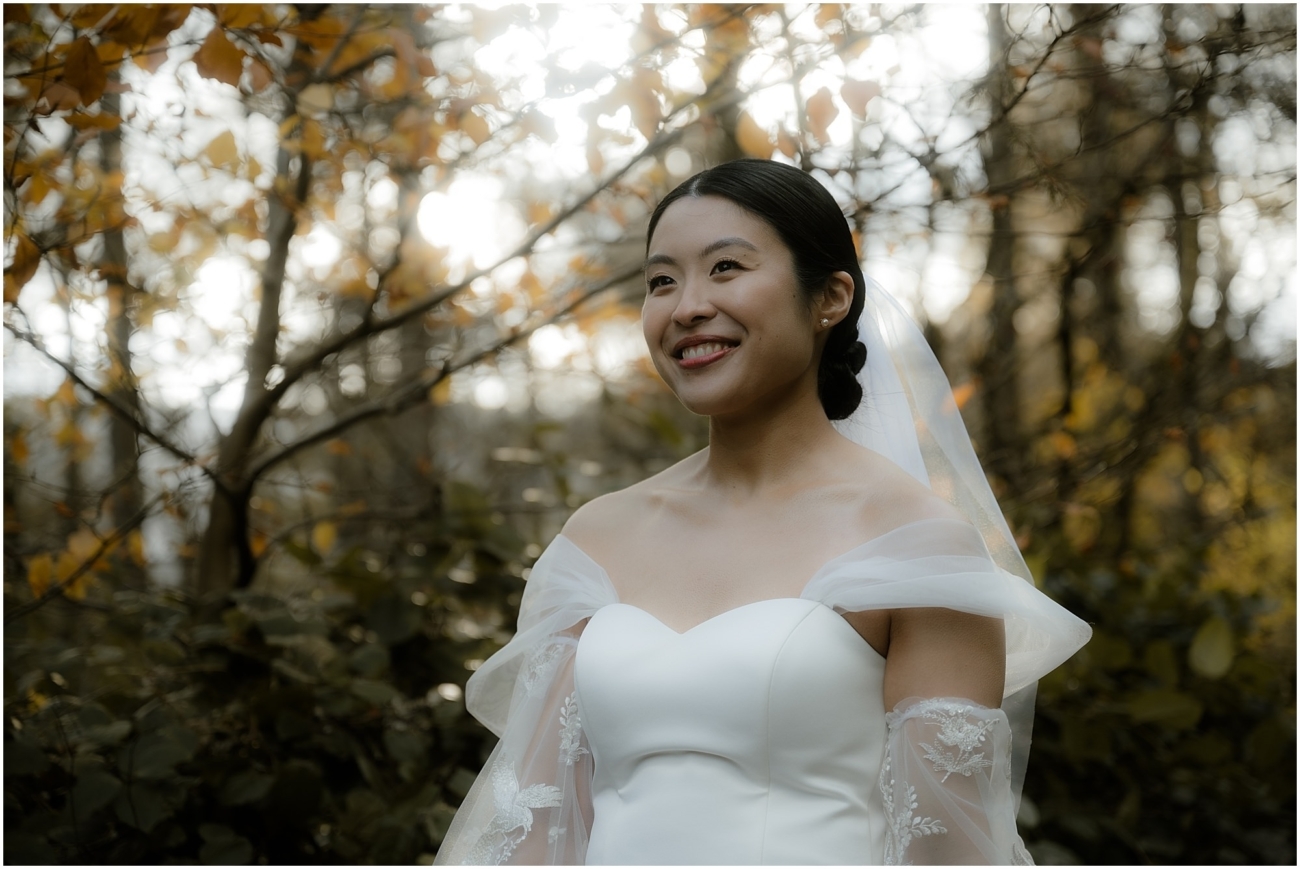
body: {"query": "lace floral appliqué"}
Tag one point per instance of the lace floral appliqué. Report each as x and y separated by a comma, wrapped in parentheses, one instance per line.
(904, 824)
(956, 731)
(570, 731)
(514, 815)
(540, 666)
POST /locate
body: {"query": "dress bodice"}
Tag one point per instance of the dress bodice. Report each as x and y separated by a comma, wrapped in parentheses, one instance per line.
(755, 737)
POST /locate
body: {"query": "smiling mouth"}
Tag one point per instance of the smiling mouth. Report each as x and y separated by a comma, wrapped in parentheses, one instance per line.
(700, 355)
(698, 351)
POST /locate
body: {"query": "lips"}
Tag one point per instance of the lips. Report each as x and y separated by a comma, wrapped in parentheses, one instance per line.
(698, 351)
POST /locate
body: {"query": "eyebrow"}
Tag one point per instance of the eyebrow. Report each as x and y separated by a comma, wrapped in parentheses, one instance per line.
(729, 241)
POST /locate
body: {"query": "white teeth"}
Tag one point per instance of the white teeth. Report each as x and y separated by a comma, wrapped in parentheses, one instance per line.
(698, 350)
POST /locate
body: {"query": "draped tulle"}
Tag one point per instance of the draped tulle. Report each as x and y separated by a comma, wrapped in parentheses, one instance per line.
(529, 804)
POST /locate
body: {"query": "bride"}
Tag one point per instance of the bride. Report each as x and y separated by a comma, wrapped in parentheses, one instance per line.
(814, 641)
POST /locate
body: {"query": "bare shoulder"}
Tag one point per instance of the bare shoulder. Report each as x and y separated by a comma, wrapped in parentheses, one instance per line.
(891, 496)
(613, 516)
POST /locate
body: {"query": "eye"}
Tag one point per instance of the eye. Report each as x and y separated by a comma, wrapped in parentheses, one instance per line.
(657, 281)
(725, 265)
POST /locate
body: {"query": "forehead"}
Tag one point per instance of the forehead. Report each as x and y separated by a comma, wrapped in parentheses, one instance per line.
(692, 222)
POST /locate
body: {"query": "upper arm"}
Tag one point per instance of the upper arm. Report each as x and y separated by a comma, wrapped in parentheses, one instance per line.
(935, 652)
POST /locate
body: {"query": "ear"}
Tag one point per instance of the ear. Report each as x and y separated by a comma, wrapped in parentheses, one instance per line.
(835, 300)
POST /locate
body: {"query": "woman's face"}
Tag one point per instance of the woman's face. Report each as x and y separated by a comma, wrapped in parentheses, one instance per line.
(724, 318)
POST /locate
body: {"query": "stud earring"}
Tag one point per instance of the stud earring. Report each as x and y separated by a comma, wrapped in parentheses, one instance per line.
(825, 322)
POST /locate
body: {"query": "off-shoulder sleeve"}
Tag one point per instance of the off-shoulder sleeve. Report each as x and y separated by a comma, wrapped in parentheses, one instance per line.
(531, 804)
(946, 786)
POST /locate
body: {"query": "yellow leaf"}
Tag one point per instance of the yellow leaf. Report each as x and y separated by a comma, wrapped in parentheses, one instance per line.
(752, 138)
(223, 152)
(219, 58)
(316, 100)
(821, 112)
(258, 543)
(1212, 651)
(440, 394)
(476, 127)
(135, 547)
(40, 570)
(313, 138)
(323, 536)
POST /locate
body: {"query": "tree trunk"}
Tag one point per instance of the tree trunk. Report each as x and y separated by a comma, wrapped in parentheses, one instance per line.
(225, 554)
(121, 386)
(998, 368)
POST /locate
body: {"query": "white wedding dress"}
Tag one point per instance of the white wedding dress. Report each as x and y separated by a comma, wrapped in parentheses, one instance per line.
(758, 736)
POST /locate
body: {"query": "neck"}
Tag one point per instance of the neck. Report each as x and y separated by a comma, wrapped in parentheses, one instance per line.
(768, 448)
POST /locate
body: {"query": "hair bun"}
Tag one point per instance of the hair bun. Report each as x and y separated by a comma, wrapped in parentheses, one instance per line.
(855, 356)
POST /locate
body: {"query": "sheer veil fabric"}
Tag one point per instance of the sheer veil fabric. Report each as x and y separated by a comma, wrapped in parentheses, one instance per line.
(531, 803)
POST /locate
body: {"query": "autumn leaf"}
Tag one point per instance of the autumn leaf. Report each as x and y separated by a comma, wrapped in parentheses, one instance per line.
(239, 15)
(40, 570)
(223, 152)
(84, 71)
(752, 138)
(219, 58)
(474, 126)
(316, 100)
(18, 448)
(786, 144)
(856, 95)
(135, 547)
(323, 536)
(440, 394)
(27, 257)
(821, 112)
(338, 447)
(259, 75)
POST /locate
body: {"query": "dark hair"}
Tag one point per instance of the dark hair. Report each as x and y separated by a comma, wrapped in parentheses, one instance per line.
(809, 221)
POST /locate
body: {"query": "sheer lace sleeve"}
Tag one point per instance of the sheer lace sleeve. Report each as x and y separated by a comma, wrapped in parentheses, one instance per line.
(946, 785)
(531, 804)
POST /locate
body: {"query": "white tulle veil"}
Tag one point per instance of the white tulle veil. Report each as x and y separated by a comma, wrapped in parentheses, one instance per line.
(910, 416)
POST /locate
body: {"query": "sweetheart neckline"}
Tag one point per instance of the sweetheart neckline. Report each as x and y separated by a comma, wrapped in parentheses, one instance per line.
(735, 609)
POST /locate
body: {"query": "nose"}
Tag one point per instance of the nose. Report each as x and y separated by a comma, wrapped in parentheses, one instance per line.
(694, 304)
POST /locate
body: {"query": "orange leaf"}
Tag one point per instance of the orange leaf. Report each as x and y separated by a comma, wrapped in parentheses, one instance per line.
(27, 257)
(84, 71)
(18, 448)
(821, 112)
(856, 95)
(752, 138)
(786, 144)
(219, 58)
(259, 75)
(238, 15)
(440, 394)
(337, 447)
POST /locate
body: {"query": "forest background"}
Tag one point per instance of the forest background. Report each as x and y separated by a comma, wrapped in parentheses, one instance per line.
(320, 320)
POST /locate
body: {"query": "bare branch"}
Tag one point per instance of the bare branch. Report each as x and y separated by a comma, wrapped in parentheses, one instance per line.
(406, 396)
(125, 414)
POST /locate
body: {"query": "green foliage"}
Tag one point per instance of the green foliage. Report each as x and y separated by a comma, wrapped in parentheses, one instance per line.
(263, 725)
